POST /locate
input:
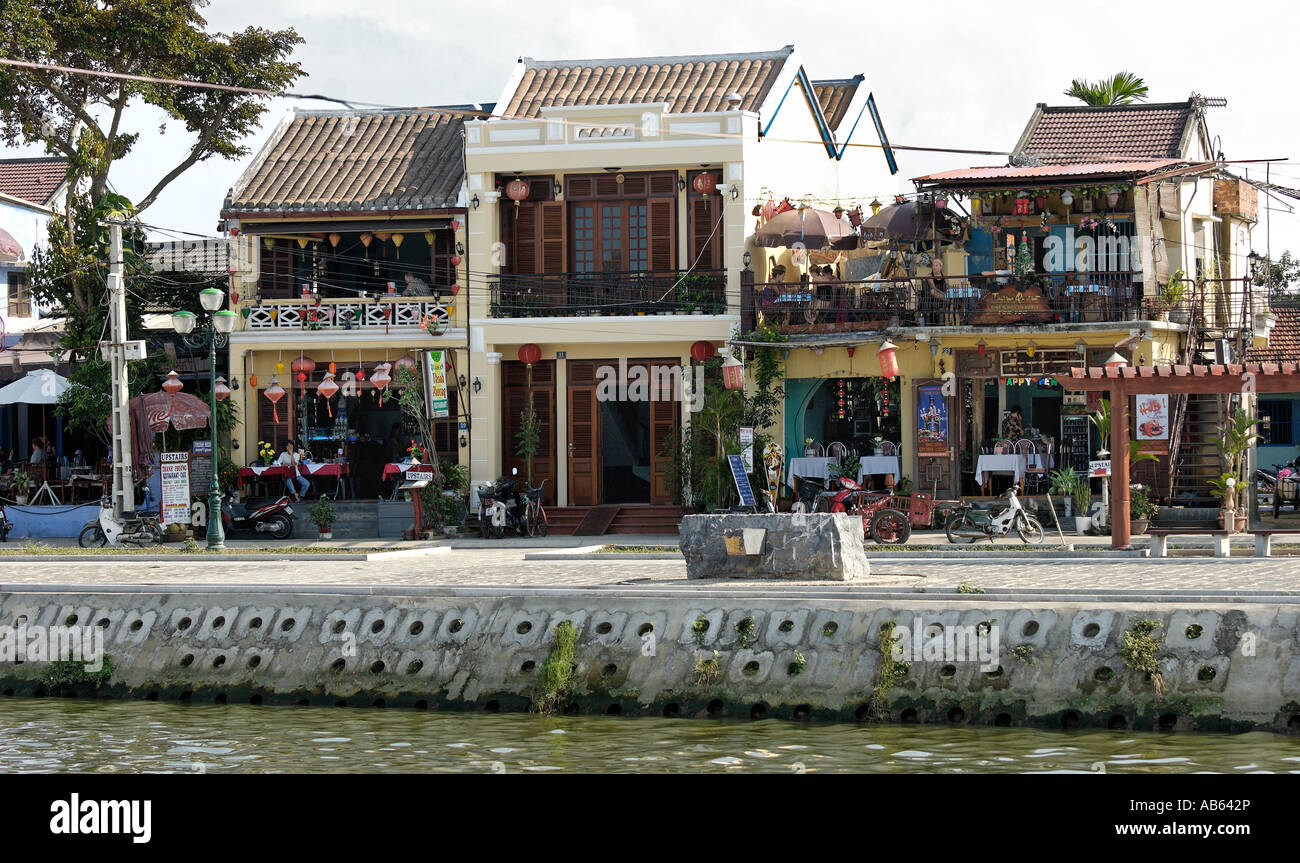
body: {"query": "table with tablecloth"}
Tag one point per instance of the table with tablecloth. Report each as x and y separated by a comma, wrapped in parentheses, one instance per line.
(1012, 463)
(811, 466)
(336, 470)
(877, 465)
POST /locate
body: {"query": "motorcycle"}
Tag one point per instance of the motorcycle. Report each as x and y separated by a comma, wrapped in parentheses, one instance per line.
(138, 530)
(5, 525)
(968, 524)
(880, 522)
(275, 518)
(501, 507)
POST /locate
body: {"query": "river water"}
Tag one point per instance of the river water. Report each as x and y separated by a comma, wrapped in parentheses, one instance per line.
(43, 735)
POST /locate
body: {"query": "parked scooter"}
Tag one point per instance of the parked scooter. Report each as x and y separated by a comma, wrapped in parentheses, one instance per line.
(275, 518)
(501, 508)
(138, 530)
(967, 524)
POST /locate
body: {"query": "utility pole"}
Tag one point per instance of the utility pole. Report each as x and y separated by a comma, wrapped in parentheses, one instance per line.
(123, 487)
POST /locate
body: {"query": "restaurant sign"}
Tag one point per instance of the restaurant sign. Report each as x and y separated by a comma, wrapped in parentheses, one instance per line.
(175, 473)
(1011, 305)
(436, 382)
(1153, 423)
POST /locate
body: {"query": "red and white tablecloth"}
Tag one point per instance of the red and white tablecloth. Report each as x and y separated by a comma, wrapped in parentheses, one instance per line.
(275, 470)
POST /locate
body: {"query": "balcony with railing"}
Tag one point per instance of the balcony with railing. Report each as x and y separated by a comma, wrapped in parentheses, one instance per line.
(432, 314)
(671, 292)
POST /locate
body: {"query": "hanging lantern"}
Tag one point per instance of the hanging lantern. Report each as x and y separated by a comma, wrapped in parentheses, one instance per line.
(221, 390)
(455, 225)
(366, 237)
(334, 240)
(333, 367)
(888, 356)
(455, 289)
(1112, 197)
(1031, 349)
(380, 379)
(279, 368)
(383, 236)
(528, 354)
(406, 361)
(274, 392)
(397, 240)
(733, 373)
(173, 383)
(252, 381)
(361, 373)
(702, 350)
(302, 377)
(705, 184)
(981, 347)
(517, 190)
(327, 388)
(455, 260)
(1067, 197)
(304, 364)
(234, 298)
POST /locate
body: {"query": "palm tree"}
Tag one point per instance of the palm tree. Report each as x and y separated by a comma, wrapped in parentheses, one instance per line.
(1122, 88)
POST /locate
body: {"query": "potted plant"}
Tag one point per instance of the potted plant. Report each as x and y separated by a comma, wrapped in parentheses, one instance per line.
(1225, 488)
(1063, 482)
(322, 515)
(416, 452)
(809, 447)
(1170, 295)
(1141, 510)
(1101, 419)
(1082, 494)
(877, 445)
(1235, 441)
(265, 452)
(20, 483)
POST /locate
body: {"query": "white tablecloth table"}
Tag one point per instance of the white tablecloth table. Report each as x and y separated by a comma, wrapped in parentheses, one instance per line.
(810, 466)
(1012, 463)
(876, 465)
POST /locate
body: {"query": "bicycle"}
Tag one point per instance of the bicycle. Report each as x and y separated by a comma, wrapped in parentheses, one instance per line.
(535, 511)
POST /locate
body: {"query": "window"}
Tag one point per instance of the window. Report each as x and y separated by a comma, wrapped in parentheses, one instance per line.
(1278, 431)
(20, 296)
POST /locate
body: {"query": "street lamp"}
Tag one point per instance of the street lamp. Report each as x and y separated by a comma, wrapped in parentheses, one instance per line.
(213, 334)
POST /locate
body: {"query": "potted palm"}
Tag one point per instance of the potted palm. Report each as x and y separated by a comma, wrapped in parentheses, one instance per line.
(1063, 482)
(1236, 439)
(322, 515)
(1082, 494)
(20, 483)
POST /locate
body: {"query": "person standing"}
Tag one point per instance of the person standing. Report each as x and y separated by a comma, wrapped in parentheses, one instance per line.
(295, 481)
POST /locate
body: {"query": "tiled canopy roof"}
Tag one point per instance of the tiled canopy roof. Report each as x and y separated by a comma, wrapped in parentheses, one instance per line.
(1068, 134)
(33, 180)
(1048, 172)
(693, 84)
(1283, 339)
(345, 161)
(835, 98)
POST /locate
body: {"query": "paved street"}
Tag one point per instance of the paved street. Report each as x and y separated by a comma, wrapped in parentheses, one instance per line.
(504, 565)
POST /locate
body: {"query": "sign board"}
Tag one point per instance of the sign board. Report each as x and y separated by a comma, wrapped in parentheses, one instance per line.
(436, 383)
(742, 480)
(174, 468)
(1153, 417)
(419, 475)
(931, 420)
(1099, 468)
(747, 441)
(200, 467)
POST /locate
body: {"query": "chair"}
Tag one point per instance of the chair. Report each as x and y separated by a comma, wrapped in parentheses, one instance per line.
(1001, 448)
(889, 448)
(837, 451)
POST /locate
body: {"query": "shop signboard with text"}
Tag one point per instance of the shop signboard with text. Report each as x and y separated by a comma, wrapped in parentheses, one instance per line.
(175, 473)
(435, 369)
(931, 420)
(1152, 420)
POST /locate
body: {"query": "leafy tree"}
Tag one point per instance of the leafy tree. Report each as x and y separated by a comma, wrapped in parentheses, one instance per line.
(1122, 88)
(81, 117)
(1280, 276)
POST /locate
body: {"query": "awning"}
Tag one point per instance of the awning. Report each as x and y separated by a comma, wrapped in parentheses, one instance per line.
(10, 250)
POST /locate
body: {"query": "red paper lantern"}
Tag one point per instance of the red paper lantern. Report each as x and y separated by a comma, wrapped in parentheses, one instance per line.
(302, 377)
(702, 350)
(888, 355)
(705, 184)
(517, 190)
(173, 383)
(361, 373)
(529, 354)
(455, 225)
(981, 348)
(455, 289)
(303, 364)
(455, 260)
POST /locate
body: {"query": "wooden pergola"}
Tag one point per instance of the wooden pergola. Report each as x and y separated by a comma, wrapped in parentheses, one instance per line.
(1123, 381)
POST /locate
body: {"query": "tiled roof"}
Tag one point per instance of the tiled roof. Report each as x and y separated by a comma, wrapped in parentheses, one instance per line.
(346, 161)
(1068, 134)
(693, 84)
(1283, 339)
(33, 180)
(1046, 172)
(1234, 370)
(835, 98)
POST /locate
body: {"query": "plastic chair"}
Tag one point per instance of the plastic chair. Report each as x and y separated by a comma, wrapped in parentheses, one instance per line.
(889, 448)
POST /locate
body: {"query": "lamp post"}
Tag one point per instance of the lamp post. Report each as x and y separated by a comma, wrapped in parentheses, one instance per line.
(213, 333)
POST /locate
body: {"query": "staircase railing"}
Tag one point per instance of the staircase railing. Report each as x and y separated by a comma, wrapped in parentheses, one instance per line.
(1181, 399)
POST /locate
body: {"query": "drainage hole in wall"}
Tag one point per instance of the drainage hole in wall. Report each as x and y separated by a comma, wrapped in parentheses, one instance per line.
(254, 661)
(376, 627)
(70, 620)
(750, 669)
(862, 712)
(613, 710)
(1167, 721)
(609, 670)
(603, 628)
(377, 667)
(1091, 630)
(136, 624)
(714, 707)
(342, 702)
(758, 711)
(218, 622)
(9, 693)
(997, 672)
(673, 710)
(421, 705)
(1116, 722)
(908, 716)
(645, 629)
(183, 624)
(956, 715)
(493, 706)
(1002, 720)
(152, 696)
(527, 667)
(1103, 674)
(379, 702)
(218, 662)
(524, 628)
(1030, 628)
(830, 628)
(339, 626)
(1069, 719)
(1206, 674)
(948, 672)
(338, 665)
(287, 625)
(255, 700)
(186, 696)
(255, 623)
(187, 660)
(302, 702)
(802, 712)
(1194, 631)
(102, 623)
(416, 628)
(220, 699)
(456, 625)
(1293, 723)
(786, 626)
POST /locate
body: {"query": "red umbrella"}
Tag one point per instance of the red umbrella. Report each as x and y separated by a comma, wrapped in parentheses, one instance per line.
(182, 411)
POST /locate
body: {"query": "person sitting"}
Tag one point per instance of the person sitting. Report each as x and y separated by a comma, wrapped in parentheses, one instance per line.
(295, 481)
(416, 287)
(38, 452)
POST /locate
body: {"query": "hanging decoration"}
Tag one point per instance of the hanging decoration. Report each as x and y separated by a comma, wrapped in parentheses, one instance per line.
(274, 393)
(702, 350)
(888, 356)
(528, 355)
(327, 388)
(334, 240)
(705, 184)
(333, 367)
(517, 190)
(380, 379)
(222, 389)
(361, 369)
(173, 383)
(304, 364)
(733, 373)
(252, 381)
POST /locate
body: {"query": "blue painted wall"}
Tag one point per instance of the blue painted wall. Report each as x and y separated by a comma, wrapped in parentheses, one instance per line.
(1270, 455)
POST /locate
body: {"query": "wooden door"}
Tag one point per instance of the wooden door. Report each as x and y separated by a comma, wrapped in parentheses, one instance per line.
(664, 421)
(584, 435)
(515, 397)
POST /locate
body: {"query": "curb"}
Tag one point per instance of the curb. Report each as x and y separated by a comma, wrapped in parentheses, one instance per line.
(224, 558)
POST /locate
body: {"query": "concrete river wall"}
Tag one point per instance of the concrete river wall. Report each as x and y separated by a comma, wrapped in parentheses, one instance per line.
(691, 653)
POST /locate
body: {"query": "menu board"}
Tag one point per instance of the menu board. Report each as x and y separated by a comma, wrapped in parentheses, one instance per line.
(437, 368)
(200, 468)
(174, 468)
(1152, 421)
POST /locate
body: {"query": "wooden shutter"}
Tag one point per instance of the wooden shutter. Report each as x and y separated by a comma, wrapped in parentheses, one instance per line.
(527, 254)
(663, 422)
(580, 187)
(552, 237)
(663, 184)
(635, 185)
(662, 240)
(584, 431)
(514, 398)
(267, 428)
(607, 187)
(706, 243)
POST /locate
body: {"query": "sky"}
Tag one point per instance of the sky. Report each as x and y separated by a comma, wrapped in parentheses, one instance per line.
(944, 74)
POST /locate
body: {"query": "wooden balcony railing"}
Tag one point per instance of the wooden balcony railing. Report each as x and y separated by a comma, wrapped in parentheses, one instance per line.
(619, 293)
(349, 314)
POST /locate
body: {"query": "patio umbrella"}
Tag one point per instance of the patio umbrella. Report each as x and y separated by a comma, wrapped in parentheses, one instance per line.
(153, 412)
(815, 229)
(37, 387)
(908, 223)
(10, 250)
